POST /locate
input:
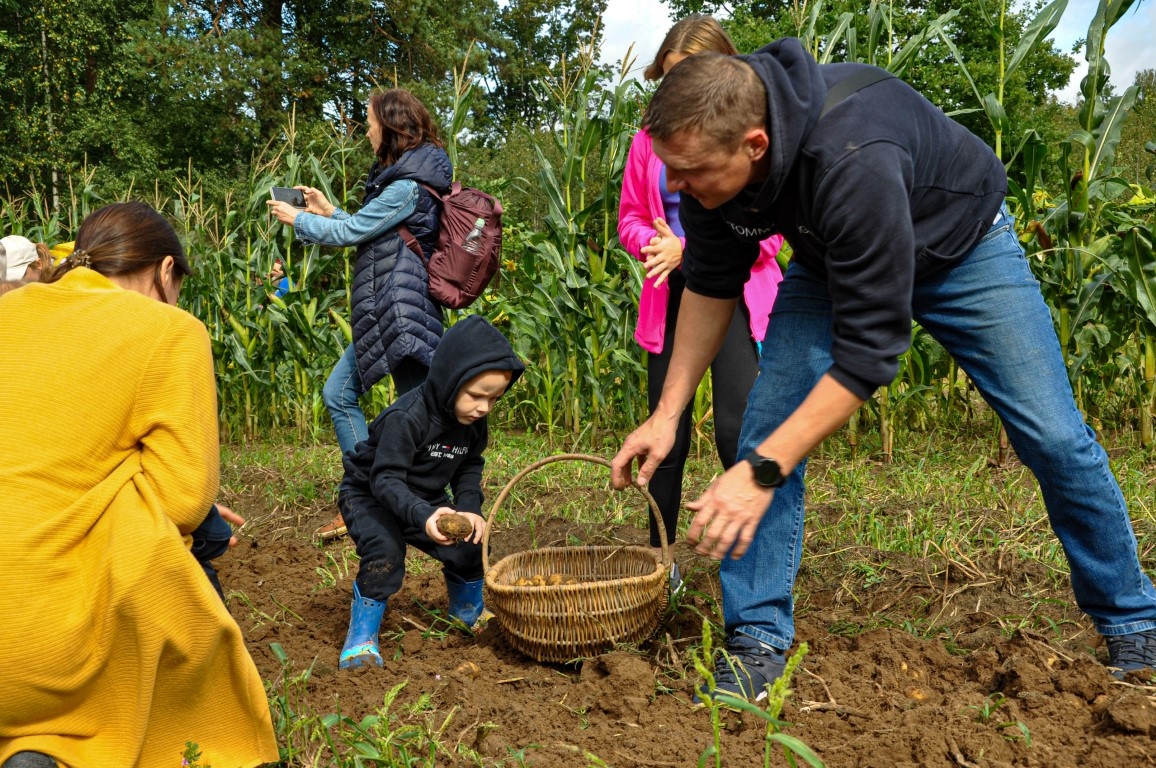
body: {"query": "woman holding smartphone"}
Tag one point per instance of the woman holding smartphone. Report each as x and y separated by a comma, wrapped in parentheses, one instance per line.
(396, 326)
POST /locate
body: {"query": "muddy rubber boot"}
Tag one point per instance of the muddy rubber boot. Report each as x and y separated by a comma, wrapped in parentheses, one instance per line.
(361, 641)
(465, 599)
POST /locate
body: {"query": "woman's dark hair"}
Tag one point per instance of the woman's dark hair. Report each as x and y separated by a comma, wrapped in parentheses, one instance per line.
(405, 123)
(124, 239)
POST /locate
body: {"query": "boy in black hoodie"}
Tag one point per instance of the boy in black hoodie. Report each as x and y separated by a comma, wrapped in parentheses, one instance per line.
(395, 483)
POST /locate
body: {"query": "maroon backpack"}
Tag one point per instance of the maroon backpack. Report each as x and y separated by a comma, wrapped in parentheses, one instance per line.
(469, 245)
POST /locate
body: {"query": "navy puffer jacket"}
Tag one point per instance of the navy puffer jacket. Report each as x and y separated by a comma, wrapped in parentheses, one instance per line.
(393, 315)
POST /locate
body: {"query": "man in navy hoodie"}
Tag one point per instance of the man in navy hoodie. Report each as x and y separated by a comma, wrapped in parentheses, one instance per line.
(893, 212)
(395, 486)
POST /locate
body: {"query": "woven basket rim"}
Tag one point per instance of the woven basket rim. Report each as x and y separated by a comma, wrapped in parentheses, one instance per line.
(506, 562)
(667, 549)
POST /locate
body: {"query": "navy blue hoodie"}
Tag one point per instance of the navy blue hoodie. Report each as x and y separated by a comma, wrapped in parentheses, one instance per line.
(882, 192)
(417, 448)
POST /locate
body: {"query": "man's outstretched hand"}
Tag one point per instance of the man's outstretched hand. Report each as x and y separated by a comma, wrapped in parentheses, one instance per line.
(650, 444)
(728, 513)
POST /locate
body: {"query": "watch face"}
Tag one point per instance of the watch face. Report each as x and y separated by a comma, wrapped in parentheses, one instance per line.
(767, 471)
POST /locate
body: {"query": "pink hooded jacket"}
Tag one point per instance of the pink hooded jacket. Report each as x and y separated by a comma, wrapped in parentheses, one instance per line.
(641, 205)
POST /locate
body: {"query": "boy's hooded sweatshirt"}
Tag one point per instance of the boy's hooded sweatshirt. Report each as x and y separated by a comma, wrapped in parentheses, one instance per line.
(417, 448)
(882, 192)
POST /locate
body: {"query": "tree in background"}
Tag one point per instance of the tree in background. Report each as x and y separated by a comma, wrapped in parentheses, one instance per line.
(1136, 154)
(63, 79)
(973, 31)
(142, 89)
(537, 40)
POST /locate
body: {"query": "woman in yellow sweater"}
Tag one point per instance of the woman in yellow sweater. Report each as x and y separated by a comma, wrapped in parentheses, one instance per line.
(114, 649)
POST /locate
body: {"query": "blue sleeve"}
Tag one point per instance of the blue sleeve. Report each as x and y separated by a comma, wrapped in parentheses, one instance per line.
(384, 212)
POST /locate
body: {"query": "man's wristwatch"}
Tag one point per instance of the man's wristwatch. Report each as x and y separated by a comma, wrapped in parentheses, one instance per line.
(768, 473)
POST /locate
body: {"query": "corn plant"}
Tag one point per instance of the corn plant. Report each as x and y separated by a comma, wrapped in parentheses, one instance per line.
(571, 315)
(272, 354)
(1082, 237)
(1033, 35)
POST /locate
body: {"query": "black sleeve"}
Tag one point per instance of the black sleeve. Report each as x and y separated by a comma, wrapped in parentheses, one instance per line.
(401, 437)
(863, 215)
(715, 262)
(466, 483)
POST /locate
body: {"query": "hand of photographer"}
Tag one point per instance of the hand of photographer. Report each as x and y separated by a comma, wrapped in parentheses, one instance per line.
(283, 212)
(316, 202)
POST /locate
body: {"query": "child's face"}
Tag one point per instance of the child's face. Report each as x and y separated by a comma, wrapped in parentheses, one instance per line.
(478, 395)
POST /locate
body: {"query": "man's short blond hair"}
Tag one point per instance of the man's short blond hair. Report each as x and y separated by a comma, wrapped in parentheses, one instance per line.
(718, 96)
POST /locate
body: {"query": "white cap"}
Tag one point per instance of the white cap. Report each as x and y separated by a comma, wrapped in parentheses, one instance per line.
(20, 252)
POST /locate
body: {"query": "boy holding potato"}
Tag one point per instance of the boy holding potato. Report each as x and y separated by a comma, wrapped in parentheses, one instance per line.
(394, 491)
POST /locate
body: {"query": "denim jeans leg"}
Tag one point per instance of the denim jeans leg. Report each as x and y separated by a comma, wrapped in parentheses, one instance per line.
(988, 312)
(757, 589)
(341, 392)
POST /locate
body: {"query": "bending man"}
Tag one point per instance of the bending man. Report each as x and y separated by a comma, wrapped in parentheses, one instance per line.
(894, 212)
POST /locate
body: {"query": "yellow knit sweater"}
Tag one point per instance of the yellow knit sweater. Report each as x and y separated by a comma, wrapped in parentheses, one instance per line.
(114, 648)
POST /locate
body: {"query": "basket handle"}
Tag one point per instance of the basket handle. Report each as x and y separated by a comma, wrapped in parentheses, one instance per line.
(666, 555)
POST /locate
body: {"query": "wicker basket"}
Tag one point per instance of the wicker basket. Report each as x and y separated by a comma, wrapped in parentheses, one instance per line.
(618, 595)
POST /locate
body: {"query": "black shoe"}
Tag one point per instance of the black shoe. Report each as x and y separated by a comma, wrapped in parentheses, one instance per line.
(1127, 653)
(744, 670)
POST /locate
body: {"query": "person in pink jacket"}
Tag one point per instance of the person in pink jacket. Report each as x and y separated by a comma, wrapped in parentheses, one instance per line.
(649, 229)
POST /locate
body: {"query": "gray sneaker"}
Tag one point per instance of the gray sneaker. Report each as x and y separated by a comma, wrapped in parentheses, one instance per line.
(1128, 653)
(744, 670)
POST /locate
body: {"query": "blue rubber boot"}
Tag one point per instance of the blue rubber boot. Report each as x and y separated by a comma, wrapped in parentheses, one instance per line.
(361, 641)
(465, 599)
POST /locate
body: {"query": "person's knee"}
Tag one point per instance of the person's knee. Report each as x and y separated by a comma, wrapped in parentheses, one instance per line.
(1058, 442)
(333, 393)
(378, 579)
(726, 436)
(464, 560)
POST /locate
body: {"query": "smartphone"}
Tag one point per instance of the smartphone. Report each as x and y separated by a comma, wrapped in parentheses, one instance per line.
(294, 197)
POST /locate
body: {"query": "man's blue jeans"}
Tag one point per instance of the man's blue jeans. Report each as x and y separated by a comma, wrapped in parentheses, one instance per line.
(988, 312)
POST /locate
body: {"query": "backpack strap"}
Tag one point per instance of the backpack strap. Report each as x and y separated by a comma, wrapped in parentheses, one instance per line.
(857, 81)
(407, 236)
(412, 243)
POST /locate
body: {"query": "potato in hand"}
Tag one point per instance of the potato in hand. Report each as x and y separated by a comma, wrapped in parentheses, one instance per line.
(455, 527)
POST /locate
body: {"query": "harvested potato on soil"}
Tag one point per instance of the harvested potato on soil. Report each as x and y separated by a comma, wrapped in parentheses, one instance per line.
(469, 669)
(455, 527)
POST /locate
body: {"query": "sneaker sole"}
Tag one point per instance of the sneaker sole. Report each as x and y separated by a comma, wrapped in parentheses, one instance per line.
(333, 534)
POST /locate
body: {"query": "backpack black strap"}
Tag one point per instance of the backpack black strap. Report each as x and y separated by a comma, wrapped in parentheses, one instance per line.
(862, 78)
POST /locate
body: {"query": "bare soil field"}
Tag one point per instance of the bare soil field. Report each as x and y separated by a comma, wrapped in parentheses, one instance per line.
(937, 661)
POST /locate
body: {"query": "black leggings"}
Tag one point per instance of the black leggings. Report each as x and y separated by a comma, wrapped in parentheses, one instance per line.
(381, 537)
(732, 373)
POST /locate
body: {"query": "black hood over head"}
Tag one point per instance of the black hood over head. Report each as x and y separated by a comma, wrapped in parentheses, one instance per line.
(469, 347)
(796, 91)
